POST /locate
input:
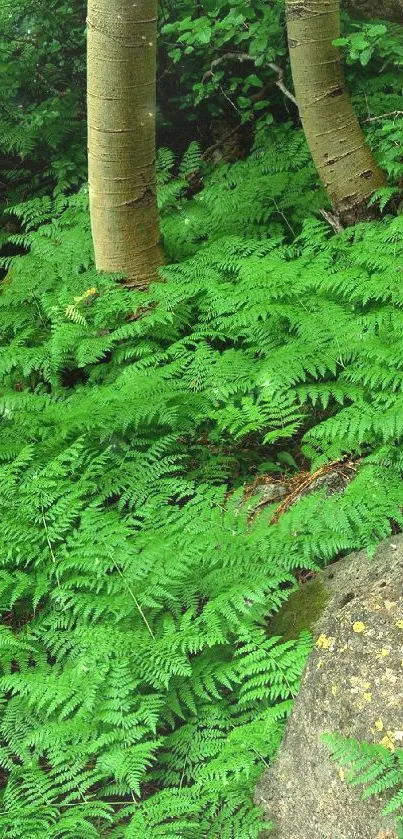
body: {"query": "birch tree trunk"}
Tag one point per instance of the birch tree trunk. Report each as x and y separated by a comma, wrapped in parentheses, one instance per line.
(337, 143)
(121, 81)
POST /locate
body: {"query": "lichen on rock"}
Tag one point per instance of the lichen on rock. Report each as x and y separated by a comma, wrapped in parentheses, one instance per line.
(353, 685)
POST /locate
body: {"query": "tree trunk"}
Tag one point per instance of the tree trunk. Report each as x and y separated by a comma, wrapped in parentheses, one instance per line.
(121, 81)
(337, 143)
(374, 9)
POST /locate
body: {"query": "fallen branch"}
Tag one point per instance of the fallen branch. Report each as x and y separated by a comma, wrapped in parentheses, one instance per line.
(384, 116)
(286, 491)
(307, 482)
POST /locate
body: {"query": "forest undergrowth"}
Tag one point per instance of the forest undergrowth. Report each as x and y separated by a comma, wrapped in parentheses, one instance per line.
(142, 695)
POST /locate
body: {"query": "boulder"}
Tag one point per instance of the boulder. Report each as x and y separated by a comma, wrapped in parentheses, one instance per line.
(353, 685)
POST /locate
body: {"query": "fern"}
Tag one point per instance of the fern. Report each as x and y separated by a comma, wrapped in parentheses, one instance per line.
(141, 695)
(375, 767)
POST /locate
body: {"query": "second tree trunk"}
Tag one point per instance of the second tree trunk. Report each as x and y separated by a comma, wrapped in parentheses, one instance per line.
(338, 146)
(121, 71)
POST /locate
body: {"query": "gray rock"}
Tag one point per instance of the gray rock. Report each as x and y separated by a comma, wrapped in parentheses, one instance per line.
(353, 684)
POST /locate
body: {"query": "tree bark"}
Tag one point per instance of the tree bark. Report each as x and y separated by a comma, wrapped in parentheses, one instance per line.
(337, 143)
(121, 82)
(375, 9)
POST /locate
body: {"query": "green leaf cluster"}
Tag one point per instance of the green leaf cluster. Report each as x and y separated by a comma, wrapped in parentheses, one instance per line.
(197, 36)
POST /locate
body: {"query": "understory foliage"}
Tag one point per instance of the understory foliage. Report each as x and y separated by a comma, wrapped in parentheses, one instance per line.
(141, 694)
(42, 98)
(223, 53)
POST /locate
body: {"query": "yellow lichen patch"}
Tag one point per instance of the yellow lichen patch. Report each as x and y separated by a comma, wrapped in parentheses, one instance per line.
(379, 725)
(389, 676)
(324, 643)
(359, 683)
(388, 741)
(399, 624)
(372, 605)
(386, 834)
(342, 773)
(360, 688)
(359, 626)
(384, 652)
(335, 690)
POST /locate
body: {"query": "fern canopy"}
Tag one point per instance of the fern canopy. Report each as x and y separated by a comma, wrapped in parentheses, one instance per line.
(141, 695)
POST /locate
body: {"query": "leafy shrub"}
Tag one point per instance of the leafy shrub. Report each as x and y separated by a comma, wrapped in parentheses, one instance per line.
(208, 43)
(373, 55)
(42, 99)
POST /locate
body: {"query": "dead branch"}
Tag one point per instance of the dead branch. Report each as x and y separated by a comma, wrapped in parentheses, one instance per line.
(242, 57)
(384, 116)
